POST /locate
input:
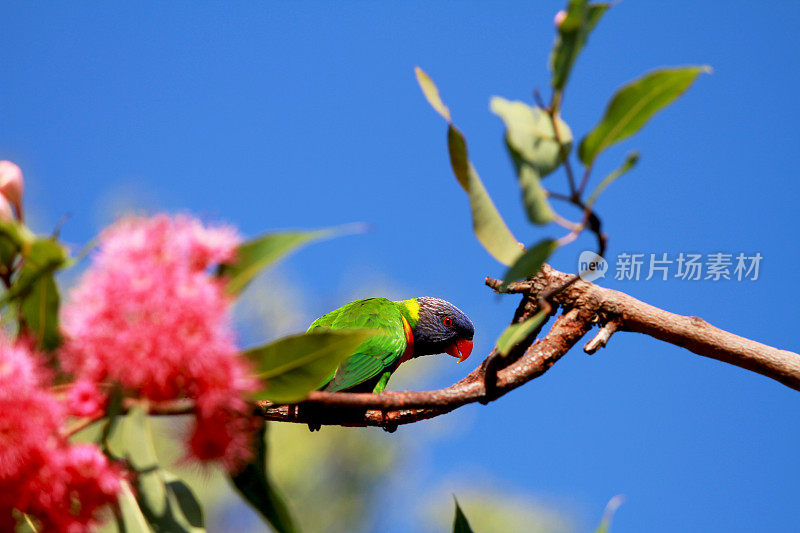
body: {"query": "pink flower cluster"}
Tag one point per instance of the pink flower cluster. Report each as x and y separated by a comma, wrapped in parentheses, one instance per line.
(12, 186)
(149, 315)
(62, 486)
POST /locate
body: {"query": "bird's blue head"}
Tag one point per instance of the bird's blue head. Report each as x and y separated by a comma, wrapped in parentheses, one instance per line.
(439, 327)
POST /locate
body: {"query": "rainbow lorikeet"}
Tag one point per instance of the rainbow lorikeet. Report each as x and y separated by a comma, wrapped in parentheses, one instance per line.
(410, 328)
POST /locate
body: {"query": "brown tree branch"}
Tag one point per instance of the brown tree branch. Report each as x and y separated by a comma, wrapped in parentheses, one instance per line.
(584, 304)
(690, 332)
(391, 409)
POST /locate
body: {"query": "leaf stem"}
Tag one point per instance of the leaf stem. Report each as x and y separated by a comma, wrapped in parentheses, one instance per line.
(584, 180)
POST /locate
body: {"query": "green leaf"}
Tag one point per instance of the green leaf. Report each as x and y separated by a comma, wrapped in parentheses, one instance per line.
(133, 521)
(631, 160)
(487, 224)
(36, 292)
(253, 482)
(516, 333)
(608, 514)
(141, 454)
(8, 252)
(534, 197)
(43, 256)
(13, 238)
(187, 513)
(431, 93)
(489, 227)
(460, 523)
(17, 233)
(39, 309)
(530, 136)
(530, 262)
(167, 503)
(634, 104)
(255, 255)
(573, 32)
(294, 366)
(25, 523)
(113, 415)
(531, 141)
(113, 438)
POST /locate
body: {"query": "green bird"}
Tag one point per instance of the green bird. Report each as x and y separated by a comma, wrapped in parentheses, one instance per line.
(409, 328)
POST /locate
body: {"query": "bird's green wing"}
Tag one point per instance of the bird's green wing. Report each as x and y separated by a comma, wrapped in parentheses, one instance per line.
(378, 353)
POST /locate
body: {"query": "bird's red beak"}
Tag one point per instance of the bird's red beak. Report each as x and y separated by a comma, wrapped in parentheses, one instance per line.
(460, 349)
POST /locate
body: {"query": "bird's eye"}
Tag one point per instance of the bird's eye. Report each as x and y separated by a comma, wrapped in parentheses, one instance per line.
(447, 321)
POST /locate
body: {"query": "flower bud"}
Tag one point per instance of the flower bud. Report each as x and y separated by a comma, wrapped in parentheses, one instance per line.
(12, 184)
(560, 16)
(6, 213)
(85, 399)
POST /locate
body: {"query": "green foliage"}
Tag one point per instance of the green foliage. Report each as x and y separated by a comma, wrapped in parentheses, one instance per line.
(608, 514)
(530, 136)
(489, 227)
(634, 104)
(534, 197)
(530, 262)
(13, 238)
(491, 509)
(460, 522)
(43, 256)
(344, 473)
(257, 254)
(130, 519)
(293, 366)
(539, 142)
(431, 93)
(516, 333)
(166, 502)
(573, 31)
(33, 287)
(25, 523)
(113, 436)
(630, 161)
(535, 150)
(39, 309)
(254, 484)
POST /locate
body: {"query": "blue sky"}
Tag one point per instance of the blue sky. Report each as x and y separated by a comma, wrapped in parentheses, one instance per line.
(299, 115)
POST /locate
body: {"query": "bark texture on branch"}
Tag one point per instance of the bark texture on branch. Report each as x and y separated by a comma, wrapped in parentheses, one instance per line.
(690, 332)
(584, 304)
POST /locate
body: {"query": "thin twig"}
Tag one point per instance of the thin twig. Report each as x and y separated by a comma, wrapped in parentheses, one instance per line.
(584, 180)
(552, 112)
(573, 227)
(558, 196)
(172, 408)
(603, 335)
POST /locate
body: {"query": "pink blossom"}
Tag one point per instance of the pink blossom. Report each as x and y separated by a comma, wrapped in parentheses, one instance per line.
(91, 474)
(85, 399)
(223, 429)
(20, 368)
(61, 486)
(148, 315)
(28, 414)
(12, 184)
(559, 18)
(6, 213)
